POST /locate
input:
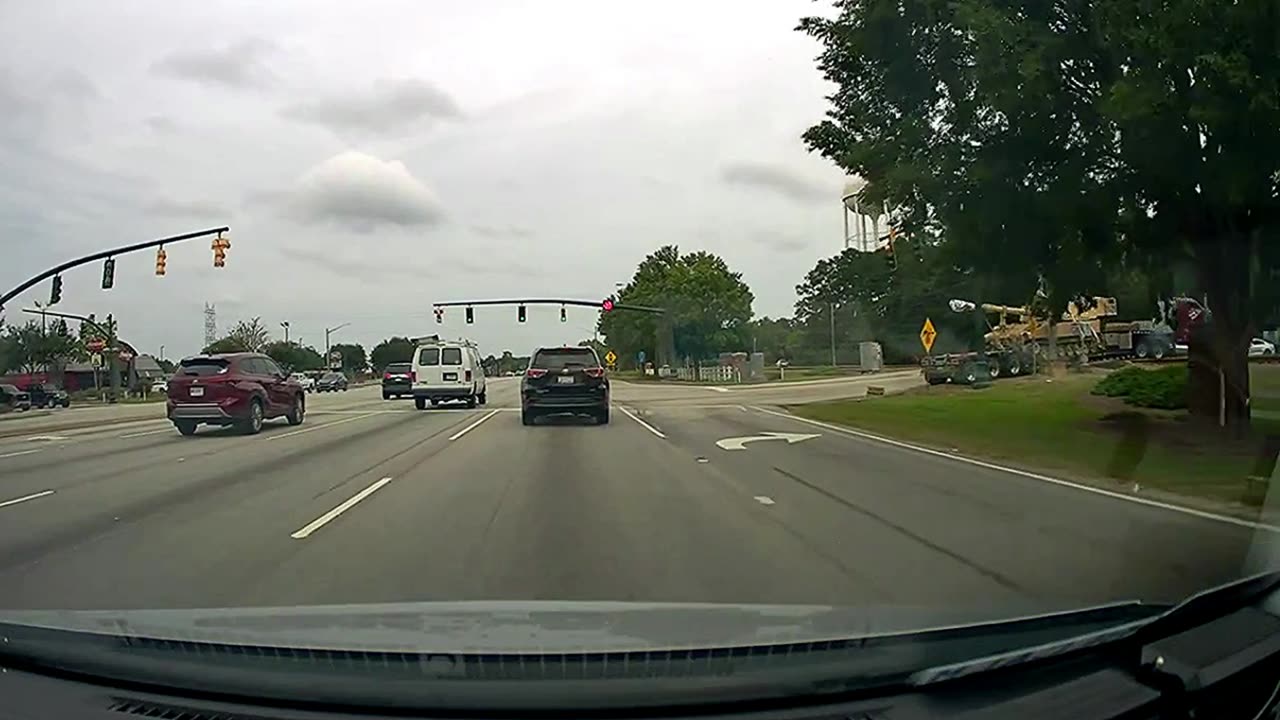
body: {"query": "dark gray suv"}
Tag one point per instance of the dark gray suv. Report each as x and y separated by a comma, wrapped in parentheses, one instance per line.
(564, 380)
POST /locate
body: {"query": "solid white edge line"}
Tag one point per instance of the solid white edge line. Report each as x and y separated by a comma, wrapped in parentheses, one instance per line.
(25, 498)
(1252, 525)
(22, 452)
(324, 519)
(643, 424)
(472, 426)
(318, 427)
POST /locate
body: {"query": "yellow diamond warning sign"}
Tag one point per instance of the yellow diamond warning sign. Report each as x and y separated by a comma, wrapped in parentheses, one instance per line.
(928, 335)
(610, 358)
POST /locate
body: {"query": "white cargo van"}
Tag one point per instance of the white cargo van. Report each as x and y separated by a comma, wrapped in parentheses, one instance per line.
(445, 370)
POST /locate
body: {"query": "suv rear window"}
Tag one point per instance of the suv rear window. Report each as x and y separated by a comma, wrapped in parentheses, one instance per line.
(399, 368)
(204, 366)
(429, 356)
(562, 358)
(451, 356)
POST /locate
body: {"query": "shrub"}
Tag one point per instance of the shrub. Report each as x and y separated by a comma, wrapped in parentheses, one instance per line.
(1165, 388)
(1121, 382)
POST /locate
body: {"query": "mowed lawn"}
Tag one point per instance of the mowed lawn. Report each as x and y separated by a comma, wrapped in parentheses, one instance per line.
(1058, 426)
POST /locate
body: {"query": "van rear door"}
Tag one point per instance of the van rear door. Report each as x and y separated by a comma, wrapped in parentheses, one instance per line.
(426, 366)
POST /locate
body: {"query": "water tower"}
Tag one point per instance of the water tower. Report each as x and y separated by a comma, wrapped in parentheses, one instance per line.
(862, 212)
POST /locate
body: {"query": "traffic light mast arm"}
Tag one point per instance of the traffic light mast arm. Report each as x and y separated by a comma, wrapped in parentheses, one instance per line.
(102, 255)
(106, 332)
(550, 301)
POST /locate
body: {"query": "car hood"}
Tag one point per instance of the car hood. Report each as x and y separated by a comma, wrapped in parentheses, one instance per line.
(509, 627)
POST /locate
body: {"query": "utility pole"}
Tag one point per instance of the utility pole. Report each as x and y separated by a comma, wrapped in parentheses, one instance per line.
(832, 307)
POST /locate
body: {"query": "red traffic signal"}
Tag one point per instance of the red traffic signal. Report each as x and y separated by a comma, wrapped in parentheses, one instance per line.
(607, 305)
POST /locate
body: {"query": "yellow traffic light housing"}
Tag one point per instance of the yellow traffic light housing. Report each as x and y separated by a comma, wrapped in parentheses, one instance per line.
(220, 246)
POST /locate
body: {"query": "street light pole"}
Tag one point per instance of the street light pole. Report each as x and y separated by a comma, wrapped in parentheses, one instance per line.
(832, 307)
(285, 325)
(326, 338)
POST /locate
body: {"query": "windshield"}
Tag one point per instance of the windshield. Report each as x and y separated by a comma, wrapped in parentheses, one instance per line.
(931, 312)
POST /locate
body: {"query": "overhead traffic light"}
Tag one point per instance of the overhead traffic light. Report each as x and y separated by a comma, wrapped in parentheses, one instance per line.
(564, 317)
(109, 274)
(471, 316)
(520, 313)
(220, 245)
(55, 294)
(607, 304)
(439, 315)
(161, 258)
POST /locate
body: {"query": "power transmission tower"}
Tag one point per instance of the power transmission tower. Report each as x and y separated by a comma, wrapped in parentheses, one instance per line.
(210, 325)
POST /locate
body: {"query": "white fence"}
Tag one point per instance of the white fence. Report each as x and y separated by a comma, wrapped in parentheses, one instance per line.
(713, 373)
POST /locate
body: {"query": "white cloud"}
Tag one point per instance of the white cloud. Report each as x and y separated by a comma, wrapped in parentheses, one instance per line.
(362, 192)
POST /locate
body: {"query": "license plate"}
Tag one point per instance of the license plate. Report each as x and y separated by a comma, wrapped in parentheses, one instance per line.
(565, 379)
(197, 392)
(451, 376)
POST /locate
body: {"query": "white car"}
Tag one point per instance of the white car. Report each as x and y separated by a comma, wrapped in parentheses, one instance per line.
(308, 383)
(445, 370)
(1258, 346)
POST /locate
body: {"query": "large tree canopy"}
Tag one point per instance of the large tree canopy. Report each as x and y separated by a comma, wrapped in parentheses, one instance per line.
(709, 307)
(391, 350)
(1060, 139)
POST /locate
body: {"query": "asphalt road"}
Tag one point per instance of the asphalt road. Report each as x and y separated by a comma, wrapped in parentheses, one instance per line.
(374, 501)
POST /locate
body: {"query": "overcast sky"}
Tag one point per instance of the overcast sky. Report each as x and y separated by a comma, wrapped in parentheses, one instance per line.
(372, 158)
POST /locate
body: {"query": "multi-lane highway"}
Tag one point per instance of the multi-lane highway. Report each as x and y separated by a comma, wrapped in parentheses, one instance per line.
(690, 494)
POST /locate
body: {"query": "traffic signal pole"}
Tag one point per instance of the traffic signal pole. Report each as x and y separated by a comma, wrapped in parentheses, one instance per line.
(109, 332)
(105, 254)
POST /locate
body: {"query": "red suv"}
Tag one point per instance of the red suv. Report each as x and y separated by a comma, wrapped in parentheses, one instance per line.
(240, 389)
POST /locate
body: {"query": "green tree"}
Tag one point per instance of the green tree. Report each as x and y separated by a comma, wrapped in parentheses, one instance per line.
(708, 305)
(294, 357)
(391, 350)
(1054, 141)
(250, 334)
(225, 345)
(354, 359)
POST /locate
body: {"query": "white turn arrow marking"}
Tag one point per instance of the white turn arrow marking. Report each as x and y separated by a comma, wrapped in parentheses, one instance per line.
(740, 443)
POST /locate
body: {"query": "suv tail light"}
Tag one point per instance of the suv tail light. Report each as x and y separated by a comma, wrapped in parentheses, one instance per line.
(595, 372)
(535, 372)
(386, 376)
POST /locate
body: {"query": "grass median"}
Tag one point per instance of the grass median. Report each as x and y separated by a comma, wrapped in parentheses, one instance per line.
(1056, 425)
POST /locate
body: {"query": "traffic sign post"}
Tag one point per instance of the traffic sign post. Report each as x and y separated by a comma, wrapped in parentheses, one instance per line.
(928, 335)
(610, 358)
(335, 360)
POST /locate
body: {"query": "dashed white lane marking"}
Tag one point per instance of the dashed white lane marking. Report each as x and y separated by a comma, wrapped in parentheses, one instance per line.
(318, 427)
(472, 426)
(149, 432)
(324, 519)
(24, 498)
(764, 500)
(718, 389)
(21, 452)
(1034, 476)
(643, 424)
(46, 438)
